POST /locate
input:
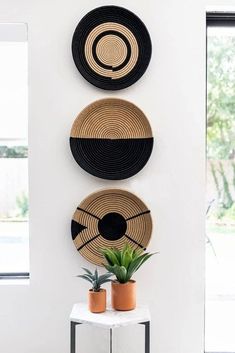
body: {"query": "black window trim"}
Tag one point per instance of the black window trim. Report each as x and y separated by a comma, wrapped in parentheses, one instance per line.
(14, 275)
(220, 19)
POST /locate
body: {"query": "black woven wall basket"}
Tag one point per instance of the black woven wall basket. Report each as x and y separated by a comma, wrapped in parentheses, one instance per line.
(111, 139)
(111, 47)
(110, 218)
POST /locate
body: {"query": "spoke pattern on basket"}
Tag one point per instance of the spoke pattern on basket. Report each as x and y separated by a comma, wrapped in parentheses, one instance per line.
(141, 246)
(89, 213)
(88, 241)
(138, 215)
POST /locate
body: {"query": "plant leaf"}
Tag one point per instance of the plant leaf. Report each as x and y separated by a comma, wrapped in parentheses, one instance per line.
(96, 286)
(117, 254)
(137, 253)
(105, 281)
(137, 262)
(123, 264)
(86, 278)
(110, 256)
(96, 275)
(121, 273)
(88, 272)
(126, 258)
(105, 276)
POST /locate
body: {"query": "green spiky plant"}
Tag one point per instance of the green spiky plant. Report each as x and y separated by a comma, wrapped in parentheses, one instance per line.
(95, 279)
(124, 263)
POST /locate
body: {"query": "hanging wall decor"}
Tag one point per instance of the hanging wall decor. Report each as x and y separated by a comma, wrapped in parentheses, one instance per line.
(111, 139)
(111, 47)
(110, 218)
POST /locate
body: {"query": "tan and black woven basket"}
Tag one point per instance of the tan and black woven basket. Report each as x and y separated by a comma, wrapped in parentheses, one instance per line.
(111, 47)
(110, 218)
(111, 139)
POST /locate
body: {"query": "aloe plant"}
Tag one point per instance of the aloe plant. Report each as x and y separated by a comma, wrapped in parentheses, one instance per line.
(95, 279)
(124, 263)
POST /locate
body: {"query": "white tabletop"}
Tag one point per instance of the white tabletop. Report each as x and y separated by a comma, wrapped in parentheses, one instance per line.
(110, 318)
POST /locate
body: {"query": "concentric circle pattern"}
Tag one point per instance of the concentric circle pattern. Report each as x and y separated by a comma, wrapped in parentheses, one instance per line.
(110, 218)
(111, 47)
(111, 139)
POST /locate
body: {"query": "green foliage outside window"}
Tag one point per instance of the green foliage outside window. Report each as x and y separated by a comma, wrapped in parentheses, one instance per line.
(22, 203)
(221, 120)
(13, 152)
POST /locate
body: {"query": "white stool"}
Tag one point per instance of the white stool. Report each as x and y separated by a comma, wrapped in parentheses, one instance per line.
(110, 319)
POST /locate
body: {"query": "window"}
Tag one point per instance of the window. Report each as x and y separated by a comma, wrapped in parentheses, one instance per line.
(220, 227)
(14, 239)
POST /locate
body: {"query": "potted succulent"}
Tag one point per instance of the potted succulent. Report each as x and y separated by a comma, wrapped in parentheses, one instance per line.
(123, 264)
(96, 295)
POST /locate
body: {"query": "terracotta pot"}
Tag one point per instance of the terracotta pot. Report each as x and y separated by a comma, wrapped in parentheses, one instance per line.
(97, 301)
(123, 295)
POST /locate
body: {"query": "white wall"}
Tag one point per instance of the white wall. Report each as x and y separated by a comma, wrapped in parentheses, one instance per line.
(34, 319)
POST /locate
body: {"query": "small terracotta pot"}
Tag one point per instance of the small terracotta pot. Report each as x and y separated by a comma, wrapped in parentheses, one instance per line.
(123, 295)
(97, 301)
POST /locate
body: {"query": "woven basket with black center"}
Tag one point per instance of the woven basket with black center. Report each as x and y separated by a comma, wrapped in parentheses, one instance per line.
(110, 218)
(111, 47)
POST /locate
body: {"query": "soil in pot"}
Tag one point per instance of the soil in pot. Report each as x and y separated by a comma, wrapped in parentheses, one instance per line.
(123, 295)
(97, 301)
